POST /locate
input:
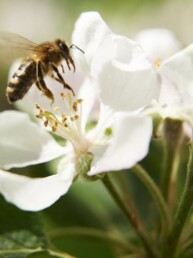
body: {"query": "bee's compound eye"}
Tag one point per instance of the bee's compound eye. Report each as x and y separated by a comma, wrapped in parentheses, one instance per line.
(63, 49)
(61, 45)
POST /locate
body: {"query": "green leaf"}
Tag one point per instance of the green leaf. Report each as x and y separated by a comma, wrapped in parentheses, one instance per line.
(85, 206)
(21, 232)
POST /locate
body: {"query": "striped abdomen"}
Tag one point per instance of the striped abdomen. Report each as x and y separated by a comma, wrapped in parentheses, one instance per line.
(21, 81)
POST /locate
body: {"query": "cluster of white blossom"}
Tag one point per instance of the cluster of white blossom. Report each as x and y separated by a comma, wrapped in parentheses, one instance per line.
(120, 85)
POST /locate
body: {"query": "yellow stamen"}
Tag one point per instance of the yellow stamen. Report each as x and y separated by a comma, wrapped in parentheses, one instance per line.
(37, 106)
(46, 123)
(66, 124)
(157, 62)
(75, 106)
(56, 109)
(62, 95)
(54, 127)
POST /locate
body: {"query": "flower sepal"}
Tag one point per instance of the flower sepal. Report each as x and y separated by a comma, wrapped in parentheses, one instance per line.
(157, 122)
(83, 163)
(83, 166)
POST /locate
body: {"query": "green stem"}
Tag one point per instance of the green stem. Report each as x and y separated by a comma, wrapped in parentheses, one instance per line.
(27, 251)
(184, 207)
(130, 256)
(94, 233)
(188, 254)
(20, 251)
(156, 194)
(130, 216)
(188, 244)
(59, 254)
(172, 141)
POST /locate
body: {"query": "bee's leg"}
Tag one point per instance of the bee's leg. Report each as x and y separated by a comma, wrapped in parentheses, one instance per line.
(60, 79)
(40, 83)
(39, 86)
(62, 68)
(55, 78)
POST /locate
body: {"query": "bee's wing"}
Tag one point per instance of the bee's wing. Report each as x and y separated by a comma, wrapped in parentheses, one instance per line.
(13, 46)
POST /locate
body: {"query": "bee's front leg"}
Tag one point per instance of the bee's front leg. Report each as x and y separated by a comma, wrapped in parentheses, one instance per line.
(60, 79)
(62, 68)
(40, 83)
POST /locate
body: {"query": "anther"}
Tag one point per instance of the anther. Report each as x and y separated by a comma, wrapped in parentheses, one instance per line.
(75, 106)
(157, 62)
(37, 106)
(54, 127)
(62, 95)
(46, 123)
(64, 118)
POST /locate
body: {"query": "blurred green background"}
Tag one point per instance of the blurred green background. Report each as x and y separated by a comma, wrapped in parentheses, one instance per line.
(48, 19)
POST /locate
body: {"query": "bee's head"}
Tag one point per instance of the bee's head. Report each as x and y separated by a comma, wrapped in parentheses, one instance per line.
(64, 49)
(65, 53)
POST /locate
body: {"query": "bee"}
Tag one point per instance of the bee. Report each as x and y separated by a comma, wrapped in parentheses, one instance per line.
(42, 60)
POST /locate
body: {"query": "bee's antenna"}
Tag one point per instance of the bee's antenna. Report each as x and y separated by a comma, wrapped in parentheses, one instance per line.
(74, 46)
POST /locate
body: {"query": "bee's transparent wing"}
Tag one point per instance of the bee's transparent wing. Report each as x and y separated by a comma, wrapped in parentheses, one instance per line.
(13, 46)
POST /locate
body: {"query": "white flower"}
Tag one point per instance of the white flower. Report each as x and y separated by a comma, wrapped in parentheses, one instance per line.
(126, 80)
(158, 43)
(153, 71)
(119, 65)
(114, 144)
(176, 72)
(175, 69)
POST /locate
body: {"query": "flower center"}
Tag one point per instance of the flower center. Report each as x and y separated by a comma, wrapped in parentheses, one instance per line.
(157, 62)
(67, 124)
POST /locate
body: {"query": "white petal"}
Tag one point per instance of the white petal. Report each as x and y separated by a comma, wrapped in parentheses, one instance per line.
(169, 94)
(34, 194)
(105, 120)
(178, 70)
(23, 143)
(129, 144)
(89, 31)
(125, 77)
(90, 104)
(158, 43)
